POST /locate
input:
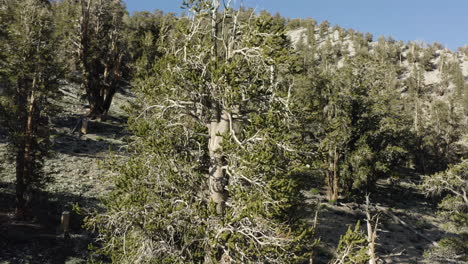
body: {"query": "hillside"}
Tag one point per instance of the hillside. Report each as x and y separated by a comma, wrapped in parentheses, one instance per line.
(341, 39)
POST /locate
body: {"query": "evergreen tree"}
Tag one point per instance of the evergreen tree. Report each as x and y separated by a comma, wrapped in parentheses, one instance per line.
(452, 185)
(463, 50)
(32, 73)
(352, 248)
(95, 35)
(428, 55)
(445, 73)
(142, 32)
(465, 99)
(362, 132)
(212, 175)
(416, 87)
(324, 27)
(443, 128)
(369, 37)
(457, 78)
(413, 54)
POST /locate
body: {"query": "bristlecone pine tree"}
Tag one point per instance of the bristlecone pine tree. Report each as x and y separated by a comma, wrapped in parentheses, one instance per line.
(211, 178)
(362, 134)
(96, 40)
(30, 75)
(453, 185)
(352, 248)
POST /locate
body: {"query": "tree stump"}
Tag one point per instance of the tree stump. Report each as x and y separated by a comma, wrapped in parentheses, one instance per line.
(65, 224)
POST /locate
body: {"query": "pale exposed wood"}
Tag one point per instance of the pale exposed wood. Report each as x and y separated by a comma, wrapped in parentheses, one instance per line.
(371, 232)
(84, 126)
(219, 126)
(65, 223)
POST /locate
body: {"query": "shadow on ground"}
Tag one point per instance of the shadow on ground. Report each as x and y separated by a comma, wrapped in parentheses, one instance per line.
(38, 238)
(103, 137)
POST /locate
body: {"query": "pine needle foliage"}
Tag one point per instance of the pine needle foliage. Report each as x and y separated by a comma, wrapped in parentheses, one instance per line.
(211, 178)
(352, 248)
(30, 74)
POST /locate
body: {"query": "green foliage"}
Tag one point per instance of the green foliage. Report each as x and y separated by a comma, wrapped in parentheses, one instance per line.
(414, 53)
(453, 185)
(160, 210)
(465, 99)
(30, 76)
(301, 23)
(93, 33)
(362, 123)
(388, 50)
(427, 57)
(353, 112)
(352, 248)
(143, 31)
(454, 180)
(456, 76)
(441, 133)
(324, 27)
(464, 50)
(369, 37)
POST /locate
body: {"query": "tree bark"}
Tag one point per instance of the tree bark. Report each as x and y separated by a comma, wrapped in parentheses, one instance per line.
(24, 155)
(218, 127)
(332, 175)
(335, 175)
(20, 184)
(371, 233)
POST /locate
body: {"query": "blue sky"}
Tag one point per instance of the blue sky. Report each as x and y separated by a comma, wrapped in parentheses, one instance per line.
(430, 21)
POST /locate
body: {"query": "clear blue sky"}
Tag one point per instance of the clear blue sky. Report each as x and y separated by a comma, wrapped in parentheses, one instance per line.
(430, 21)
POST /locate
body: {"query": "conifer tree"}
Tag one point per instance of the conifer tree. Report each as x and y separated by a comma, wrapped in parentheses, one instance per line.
(465, 99)
(428, 55)
(94, 33)
(142, 31)
(324, 27)
(416, 93)
(352, 247)
(212, 175)
(452, 185)
(362, 133)
(456, 76)
(32, 74)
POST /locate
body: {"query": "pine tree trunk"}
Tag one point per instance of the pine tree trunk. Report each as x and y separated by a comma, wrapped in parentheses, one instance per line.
(335, 175)
(24, 155)
(20, 183)
(218, 127)
(332, 176)
(371, 233)
(328, 181)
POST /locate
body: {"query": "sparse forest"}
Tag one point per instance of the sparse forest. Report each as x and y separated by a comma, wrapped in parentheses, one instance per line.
(225, 135)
